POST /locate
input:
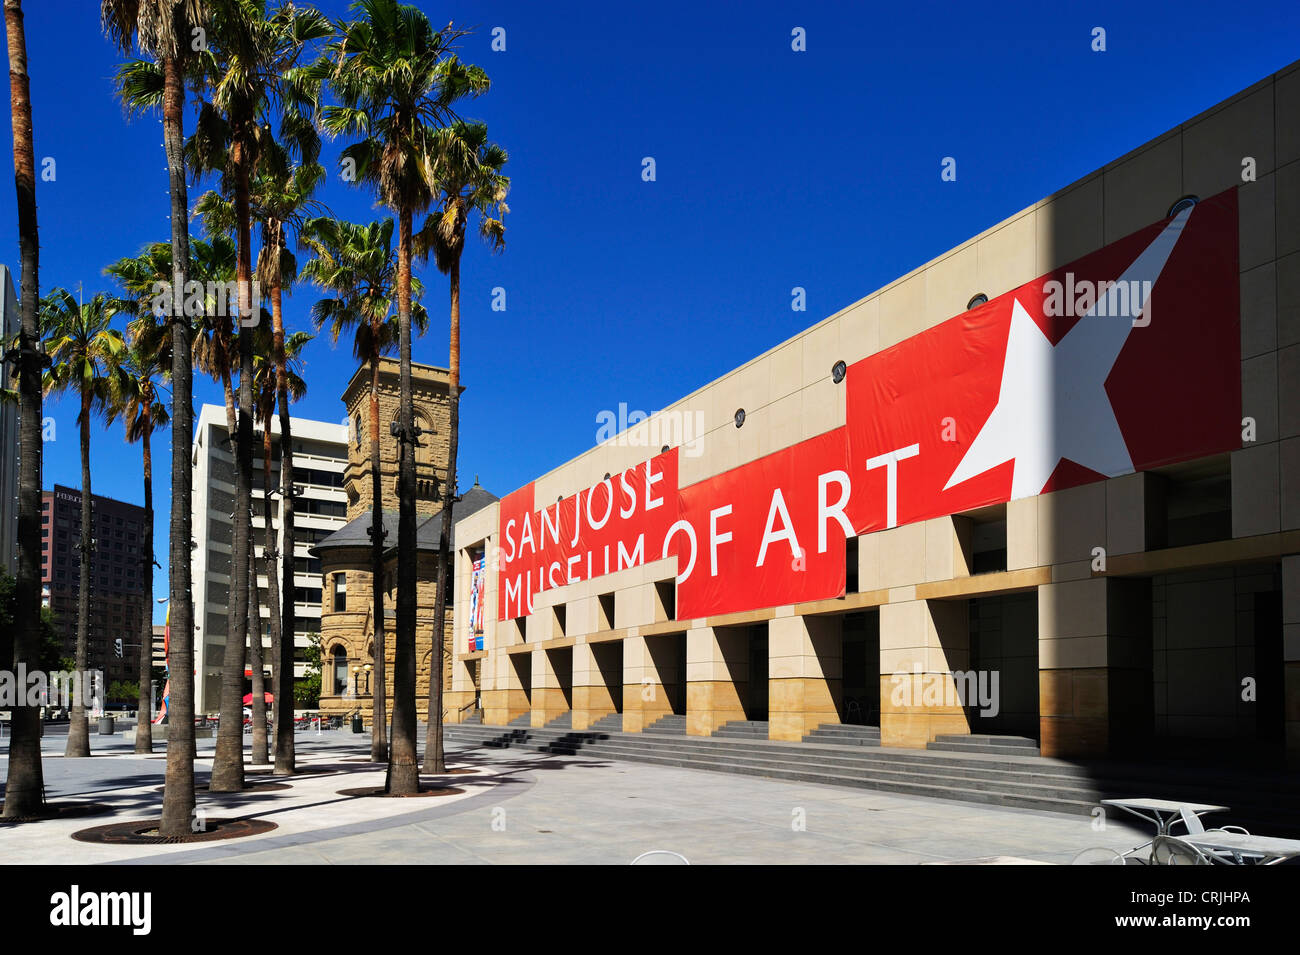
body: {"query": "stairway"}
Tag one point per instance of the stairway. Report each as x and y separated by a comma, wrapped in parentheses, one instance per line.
(670, 725)
(987, 745)
(1261, 801)
(607, 724)
(845, 734)
(562, 722)
(742, 729)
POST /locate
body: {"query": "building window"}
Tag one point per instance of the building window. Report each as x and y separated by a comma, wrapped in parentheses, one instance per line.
(340, 667)
(340, 592)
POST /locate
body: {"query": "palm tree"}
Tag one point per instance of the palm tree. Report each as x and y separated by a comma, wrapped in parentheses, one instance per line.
(251, 63)
(162, 29)
(356, 263)
(25, 786)
(467, 170)
(280, 199)
(265, 394)
(397, 81)
(86, 353)
(212, 266)
(136, 401)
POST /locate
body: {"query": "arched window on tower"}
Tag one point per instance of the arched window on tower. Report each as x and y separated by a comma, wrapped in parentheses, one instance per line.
(339, 658)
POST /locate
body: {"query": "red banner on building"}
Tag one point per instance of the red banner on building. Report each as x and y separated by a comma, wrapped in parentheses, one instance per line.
(1125, 360)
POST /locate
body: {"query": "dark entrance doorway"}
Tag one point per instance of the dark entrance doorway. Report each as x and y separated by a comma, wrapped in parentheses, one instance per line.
(561, 663)
(755, 699)
(609, 663)
(860, 704)
(1003, 645)
(522, 666)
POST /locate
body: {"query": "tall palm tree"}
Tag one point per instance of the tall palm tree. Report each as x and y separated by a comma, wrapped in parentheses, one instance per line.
(163, 31)
(467, 170)
(25, 787)
(282, 203)
(259, 753)
(266, 387)
(252, 65)
(135, 399)
(397, 81)
(280, 200)
(356, 263)
(86, 353)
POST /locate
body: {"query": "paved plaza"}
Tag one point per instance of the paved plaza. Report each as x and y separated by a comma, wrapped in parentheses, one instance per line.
(533, 808)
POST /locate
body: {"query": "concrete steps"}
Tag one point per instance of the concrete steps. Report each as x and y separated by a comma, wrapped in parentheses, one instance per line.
(845, 734)
(980, 743)
(1262, 803)
(670, 725)
(743, 729)
(607, 724)
(562, 722)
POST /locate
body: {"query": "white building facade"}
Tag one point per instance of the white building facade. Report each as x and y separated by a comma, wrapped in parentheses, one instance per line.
(319, 457)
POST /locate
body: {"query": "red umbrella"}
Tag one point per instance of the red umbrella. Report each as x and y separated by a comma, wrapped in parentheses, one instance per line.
(248, 698)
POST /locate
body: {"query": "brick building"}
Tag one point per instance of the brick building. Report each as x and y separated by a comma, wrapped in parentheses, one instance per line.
(117, 599)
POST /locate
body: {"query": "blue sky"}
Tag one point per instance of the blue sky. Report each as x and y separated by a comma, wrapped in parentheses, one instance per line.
(775, 169)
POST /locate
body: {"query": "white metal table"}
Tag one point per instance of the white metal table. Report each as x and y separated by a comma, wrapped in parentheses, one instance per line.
(1161, 813)
(1269, 850)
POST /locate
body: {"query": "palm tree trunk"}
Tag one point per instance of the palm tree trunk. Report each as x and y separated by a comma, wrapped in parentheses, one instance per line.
(228, 763)
(258, 708)
(285, 754)
(379, 729)
(232, 429)
(178, 789)
(433, 755)
(272, 579)
(25, 787)
(403, 770)
(259, 755)
(79, 726)
(144, 717)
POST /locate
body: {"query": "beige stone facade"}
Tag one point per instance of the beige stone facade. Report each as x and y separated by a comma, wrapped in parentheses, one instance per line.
(1200, 596)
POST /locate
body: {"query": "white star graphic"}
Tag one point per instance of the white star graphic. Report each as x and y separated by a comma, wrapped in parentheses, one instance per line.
(1053, 402)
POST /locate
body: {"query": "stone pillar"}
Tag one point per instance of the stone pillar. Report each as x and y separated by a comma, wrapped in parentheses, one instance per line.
(496, 688)
(921, 643)
(1291, 653)
(593, 696)
(717, 677)
(804, 672)
(646, 670)
(1094, 666)
(507, 699)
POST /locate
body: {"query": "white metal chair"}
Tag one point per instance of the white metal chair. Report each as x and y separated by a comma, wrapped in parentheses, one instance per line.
(1098, 855)
(1196, 828)
(1170, 850)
